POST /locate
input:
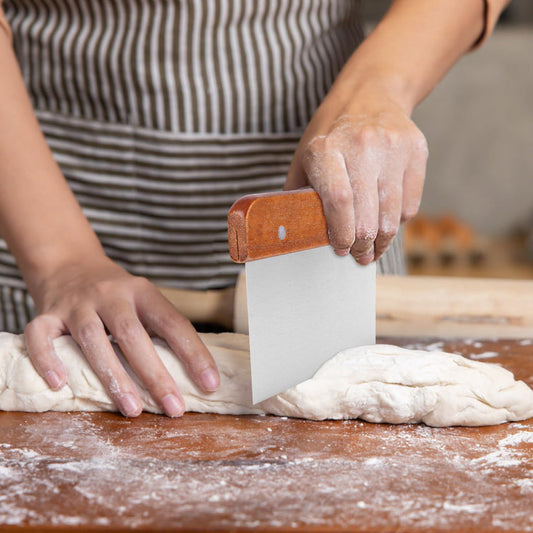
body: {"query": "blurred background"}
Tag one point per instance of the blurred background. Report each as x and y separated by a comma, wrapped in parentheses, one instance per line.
(476, 217)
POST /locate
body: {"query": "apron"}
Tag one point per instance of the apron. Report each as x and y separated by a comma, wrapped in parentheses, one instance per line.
(161, 113)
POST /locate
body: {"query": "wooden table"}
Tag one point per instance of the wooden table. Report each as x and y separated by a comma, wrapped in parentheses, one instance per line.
(94, 471)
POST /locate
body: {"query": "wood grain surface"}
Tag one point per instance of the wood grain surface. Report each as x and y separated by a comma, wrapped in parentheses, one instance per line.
(406, 306)
(102, 472)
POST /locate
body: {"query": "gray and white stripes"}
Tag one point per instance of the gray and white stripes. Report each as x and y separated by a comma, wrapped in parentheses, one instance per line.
(161, 113)
(203, 66)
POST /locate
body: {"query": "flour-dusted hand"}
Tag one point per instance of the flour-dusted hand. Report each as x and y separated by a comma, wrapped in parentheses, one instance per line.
(367, 160)
(96, 296)
(361, 151)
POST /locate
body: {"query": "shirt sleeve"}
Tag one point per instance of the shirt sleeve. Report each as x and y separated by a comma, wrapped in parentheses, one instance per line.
(493, 10)
(4, 26)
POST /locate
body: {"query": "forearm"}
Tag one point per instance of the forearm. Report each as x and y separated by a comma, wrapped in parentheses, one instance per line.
(361, 151)
(40, 218)
(412, 48)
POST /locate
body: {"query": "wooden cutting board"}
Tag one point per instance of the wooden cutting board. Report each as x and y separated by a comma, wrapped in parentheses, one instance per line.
(95, 471)
(406, 306)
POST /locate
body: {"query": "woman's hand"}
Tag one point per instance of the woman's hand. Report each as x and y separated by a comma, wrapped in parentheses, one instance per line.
(361, 151)
(367, 160)
(94, 296)
(76, 288)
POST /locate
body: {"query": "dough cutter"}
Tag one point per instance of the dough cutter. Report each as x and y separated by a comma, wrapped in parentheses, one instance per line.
(305, 303)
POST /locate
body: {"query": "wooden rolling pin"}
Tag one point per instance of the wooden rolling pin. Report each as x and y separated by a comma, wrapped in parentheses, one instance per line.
(407, 306)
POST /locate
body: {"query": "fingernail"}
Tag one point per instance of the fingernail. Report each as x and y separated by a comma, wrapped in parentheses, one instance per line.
(172, 406)
(342, 251)
(53, 379)
(129, 406)
(365, 259)
(210, 380)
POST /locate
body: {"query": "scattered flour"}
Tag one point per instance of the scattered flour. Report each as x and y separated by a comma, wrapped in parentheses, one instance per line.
(484, 355)
(360, 474)
(258, 476)
(506, 453)
(525, 484)
(467, 508)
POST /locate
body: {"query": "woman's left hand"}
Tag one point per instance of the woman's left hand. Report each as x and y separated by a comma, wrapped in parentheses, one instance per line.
(366, 159)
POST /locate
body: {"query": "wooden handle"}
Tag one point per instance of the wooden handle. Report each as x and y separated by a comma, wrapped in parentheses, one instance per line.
(266, 225)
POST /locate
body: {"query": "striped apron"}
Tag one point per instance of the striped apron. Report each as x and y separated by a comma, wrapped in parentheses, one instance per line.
(161, 113)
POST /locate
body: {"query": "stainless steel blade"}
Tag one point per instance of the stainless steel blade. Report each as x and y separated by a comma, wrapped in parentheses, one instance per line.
(303, 308)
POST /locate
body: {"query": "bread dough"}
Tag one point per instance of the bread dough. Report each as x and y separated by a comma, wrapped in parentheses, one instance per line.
(375, 383)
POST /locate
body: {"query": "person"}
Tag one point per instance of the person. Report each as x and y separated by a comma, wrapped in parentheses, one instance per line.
(140, 124)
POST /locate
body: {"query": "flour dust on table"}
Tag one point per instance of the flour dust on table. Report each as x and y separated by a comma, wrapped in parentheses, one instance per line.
(378, 383)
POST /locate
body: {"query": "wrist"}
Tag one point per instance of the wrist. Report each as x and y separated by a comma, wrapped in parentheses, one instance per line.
(46, 261)
(362, 84)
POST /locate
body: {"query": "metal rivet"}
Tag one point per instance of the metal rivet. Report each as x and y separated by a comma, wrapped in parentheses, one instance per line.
(282, 233)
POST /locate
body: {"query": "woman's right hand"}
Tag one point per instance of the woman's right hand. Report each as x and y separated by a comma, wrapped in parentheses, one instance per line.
(94, 296)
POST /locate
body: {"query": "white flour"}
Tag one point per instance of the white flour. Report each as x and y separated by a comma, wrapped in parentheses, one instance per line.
(411, 476)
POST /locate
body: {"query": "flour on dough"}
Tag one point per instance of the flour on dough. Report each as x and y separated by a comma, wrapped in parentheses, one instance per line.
(375, 383)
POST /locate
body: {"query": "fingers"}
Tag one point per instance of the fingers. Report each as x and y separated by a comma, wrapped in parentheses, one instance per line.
(39, 335)
(296, 176)
(326, 170)
(390, 191)
(413, 182)
(163, 319)
(86, 298)
(364, 172)
(370, 178)
(88, 331)
(138, 349)
(390, 206)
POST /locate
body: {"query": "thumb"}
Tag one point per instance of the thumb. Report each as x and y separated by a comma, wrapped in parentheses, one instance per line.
(296, 177)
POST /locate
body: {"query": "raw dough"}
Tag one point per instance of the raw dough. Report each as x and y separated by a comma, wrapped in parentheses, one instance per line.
(375, 383)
